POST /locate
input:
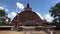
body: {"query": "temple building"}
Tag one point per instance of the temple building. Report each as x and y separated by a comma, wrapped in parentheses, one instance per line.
(27, 18)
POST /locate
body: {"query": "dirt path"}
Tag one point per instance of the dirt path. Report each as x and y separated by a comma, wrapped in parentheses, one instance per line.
(22, 32)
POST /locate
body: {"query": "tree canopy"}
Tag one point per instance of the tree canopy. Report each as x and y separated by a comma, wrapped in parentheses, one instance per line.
(2, 12)
(4, 19)
(55, 12)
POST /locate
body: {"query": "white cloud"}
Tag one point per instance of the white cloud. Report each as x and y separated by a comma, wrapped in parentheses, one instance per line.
(6, 9)
(12, 15)
(19, 5)
(48, 17)
(39, 15)
(1, 8)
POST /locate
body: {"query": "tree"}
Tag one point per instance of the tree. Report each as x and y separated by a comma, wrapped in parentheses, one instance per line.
(2, 12)
(4, 19)
(55, 12)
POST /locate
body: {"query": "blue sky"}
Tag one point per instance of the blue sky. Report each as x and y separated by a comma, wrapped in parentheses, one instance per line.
(40, 6)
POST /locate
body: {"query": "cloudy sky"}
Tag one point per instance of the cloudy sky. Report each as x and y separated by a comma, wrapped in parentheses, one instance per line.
(41, 7)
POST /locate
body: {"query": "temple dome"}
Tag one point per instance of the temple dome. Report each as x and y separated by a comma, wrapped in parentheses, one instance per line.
(28, 17)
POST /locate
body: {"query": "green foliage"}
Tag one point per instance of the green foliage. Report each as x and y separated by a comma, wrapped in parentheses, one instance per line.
(4, 19)
(55, 12)
(2, 12)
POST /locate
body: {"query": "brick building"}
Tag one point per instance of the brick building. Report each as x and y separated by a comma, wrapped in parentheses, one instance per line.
(27, 18)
